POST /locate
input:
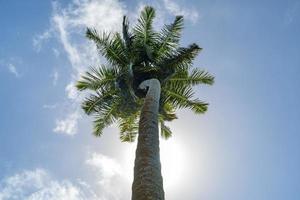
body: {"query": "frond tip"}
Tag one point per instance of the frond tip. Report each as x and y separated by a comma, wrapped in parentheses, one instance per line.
(182, 58)
(165, 131)
(169, 37)
(105, 116)
(98, 77)
(111, 47)
(129, 128)
(143, 31)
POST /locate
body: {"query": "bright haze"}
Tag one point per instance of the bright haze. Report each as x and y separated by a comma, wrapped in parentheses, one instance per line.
(246, 147)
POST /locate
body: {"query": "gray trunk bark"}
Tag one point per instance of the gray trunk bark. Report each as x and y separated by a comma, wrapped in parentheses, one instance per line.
(148, 182)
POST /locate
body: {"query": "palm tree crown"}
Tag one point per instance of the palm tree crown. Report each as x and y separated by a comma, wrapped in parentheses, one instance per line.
(136, 55)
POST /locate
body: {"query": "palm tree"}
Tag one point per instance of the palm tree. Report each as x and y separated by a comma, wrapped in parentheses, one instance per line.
(146, 79)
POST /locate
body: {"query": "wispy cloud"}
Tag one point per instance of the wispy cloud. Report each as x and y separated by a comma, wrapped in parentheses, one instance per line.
(12, 69)
(176, 9)
(11, 64)
(49, 106)
(68, 25)
(38, 184)
(54, 76)
(56, 52)
(67, 125)
(39, 39)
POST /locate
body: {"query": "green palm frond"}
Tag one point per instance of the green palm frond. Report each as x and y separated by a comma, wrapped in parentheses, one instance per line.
(182, 58)
(168, 114)
(167, 111)
(98, 77)
(145, 38)
(180, 97)
(127, 36)
(169, 37)
(143, 31)
(165, 131)
(112, 48)
(105, 116)
(128, 128)
(92, 103)
(197, 76)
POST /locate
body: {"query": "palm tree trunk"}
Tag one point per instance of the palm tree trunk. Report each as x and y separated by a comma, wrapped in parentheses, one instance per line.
(148, 182)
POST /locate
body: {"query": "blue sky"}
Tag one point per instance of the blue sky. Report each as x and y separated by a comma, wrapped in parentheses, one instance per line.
(245, 147)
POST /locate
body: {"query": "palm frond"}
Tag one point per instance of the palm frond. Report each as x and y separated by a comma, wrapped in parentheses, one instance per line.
(143, 31)
(165, 131)
(112, 48)
(98, 77)
(127, 36)
(169, 37)
(128, 128)
(182, 58)
(167, 111)
(92, 103)
(180, 96)
(105, 116)
(197, 76)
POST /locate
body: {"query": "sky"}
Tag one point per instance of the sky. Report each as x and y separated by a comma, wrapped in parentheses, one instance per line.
(245, 147)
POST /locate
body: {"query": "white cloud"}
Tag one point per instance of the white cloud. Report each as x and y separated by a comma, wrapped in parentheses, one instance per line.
(175, 9)
(71, 91)
(12, 69)
(11, 63)
(68, 125)
(108, 166)
(56, 52)
(109, 173)
(39, 185)
(49, 106)
(72, 51)
(68, 25)
(39, 39)
(54, 76)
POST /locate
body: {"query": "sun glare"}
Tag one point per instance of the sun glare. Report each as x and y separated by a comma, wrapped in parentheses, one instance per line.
(173, 160)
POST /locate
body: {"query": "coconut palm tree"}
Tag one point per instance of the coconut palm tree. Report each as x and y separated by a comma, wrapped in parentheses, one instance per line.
(148, 76)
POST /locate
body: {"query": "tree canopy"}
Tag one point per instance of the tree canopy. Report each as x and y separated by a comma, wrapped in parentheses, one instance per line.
(133, 56)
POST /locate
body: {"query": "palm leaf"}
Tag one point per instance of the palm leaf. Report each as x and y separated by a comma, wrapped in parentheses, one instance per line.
(165, 131)
(105, 116)
(127, 36)
(167, 111)
(128, 128)
(112, 48)
(98, 77)
(197, 76)
(143, 31)
(180, 97)
(169, 37)
(92, 103)
(181, 59)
